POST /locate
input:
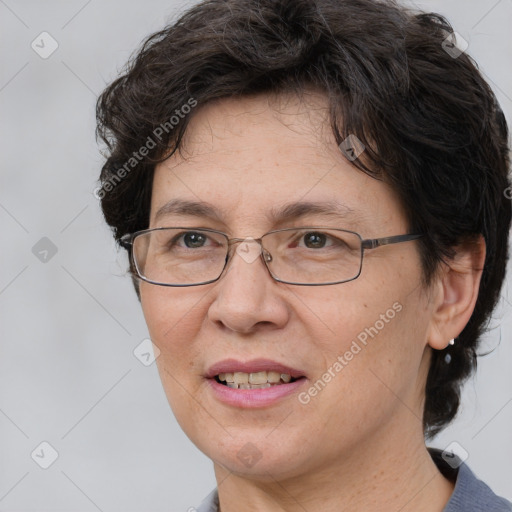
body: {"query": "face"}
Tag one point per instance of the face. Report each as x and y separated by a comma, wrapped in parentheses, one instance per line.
(356, 350)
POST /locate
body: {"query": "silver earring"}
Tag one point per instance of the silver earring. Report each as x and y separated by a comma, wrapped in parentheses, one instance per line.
(452, 341)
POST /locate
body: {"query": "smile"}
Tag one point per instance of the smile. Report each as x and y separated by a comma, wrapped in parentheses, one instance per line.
(256, 383)
(255, 380)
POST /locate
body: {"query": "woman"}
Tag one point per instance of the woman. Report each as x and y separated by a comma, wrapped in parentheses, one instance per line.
(314, 199)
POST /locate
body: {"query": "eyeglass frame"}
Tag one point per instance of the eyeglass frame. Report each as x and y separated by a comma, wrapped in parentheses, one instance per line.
(127, 241)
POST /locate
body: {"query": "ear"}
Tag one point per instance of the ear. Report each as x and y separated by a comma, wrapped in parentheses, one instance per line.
(455, 292)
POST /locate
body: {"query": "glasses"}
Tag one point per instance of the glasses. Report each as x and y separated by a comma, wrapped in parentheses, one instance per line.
(308, 256)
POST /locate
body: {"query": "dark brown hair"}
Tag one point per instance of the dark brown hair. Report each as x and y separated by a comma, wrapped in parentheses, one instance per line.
(431, 125)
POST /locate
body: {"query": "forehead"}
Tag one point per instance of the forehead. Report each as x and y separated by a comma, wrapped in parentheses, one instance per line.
(251, 157)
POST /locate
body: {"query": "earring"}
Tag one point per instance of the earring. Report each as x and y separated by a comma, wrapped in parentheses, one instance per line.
(452, 341)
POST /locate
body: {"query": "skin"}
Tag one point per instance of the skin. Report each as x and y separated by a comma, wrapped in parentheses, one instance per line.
(360, 440)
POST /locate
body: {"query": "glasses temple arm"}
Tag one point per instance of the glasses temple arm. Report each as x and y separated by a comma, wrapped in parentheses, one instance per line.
(372, 243)
(126, 241)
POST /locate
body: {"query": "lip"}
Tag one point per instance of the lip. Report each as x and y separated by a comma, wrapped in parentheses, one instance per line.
(253, 398)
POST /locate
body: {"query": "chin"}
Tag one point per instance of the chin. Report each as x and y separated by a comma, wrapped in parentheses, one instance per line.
(260, 455)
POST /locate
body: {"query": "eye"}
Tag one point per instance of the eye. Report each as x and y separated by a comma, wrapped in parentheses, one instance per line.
(185, 240)
(316, 240)
(192, 240)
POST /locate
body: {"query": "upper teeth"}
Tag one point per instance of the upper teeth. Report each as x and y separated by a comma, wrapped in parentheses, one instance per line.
(255, 378)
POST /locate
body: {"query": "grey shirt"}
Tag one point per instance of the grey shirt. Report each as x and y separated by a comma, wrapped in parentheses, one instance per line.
(469, 495)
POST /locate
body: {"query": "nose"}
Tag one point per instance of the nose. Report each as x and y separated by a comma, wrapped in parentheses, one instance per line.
(247, 298)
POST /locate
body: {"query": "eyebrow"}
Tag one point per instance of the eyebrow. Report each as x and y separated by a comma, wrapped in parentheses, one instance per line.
(287, 212)
(189, 208)
(300, 209)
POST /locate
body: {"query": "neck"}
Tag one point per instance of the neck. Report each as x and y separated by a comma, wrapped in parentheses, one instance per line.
(390, 473)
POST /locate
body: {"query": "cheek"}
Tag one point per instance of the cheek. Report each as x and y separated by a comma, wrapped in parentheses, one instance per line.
(174, 319)
(170, 311)
(340, 316)
(371, 337)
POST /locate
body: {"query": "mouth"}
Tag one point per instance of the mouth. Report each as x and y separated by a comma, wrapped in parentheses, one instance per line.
(256, 383)
(254, 380)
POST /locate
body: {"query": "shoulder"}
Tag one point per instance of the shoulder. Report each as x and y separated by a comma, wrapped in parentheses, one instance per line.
(209, 504)
(470, 493)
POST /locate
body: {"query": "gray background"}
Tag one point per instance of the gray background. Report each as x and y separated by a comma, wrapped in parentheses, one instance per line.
(69, 325)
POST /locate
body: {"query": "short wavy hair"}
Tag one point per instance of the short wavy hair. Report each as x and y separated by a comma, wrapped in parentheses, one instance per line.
(431, 125)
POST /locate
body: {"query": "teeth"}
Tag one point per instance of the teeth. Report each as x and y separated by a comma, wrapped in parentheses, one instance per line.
(273, 377)
(258, 378)
(241, 378)
(255, 380)
(234, 385)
